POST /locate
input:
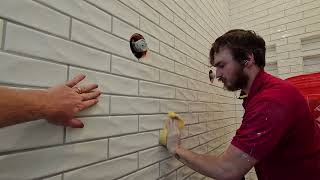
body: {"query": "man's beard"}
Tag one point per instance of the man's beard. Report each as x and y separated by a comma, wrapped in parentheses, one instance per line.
(239, 80)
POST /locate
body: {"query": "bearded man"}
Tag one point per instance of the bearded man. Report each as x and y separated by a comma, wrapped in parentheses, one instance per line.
(278, 135)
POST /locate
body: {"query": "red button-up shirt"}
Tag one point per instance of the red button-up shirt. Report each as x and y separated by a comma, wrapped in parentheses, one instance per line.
(277, 130)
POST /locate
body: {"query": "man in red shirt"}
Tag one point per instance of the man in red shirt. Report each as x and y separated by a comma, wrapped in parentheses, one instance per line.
(277, 136)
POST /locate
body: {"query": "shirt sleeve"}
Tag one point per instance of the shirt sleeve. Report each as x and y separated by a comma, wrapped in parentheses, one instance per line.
(263, 126)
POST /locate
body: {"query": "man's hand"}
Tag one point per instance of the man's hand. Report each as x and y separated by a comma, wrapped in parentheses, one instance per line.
(173, 137)
(65, 101)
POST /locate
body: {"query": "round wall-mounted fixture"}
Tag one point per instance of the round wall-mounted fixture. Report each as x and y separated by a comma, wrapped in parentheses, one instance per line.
(138, 45)
(211, 76)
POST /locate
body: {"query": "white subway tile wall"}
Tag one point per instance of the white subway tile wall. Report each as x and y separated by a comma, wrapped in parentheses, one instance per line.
(46, 42)
(285, 25)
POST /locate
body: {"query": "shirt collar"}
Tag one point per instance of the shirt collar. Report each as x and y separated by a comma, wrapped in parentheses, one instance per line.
(242, 95)
(256, 86)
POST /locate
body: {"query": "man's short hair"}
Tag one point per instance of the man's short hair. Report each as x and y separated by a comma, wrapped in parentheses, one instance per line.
(241, 43)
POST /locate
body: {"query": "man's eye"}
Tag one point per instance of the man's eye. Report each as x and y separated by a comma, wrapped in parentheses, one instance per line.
(221, 66)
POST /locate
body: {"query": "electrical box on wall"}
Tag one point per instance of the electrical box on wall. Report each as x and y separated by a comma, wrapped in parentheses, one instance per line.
(138, 45)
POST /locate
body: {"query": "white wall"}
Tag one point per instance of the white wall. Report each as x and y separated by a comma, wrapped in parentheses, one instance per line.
(46, 42)
(291, 29)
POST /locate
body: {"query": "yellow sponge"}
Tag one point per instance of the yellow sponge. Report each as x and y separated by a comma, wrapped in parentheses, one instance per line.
(164, 131)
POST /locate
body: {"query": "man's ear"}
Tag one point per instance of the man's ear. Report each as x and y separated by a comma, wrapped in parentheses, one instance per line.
(250, 60)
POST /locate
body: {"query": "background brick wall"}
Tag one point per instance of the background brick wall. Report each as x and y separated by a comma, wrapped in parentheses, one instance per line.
(46, 42)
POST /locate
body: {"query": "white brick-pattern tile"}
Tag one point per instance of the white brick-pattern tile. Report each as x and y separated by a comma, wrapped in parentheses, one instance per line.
(1, 29)
(156, 90)
(148, 173)
(82, 10)
(31, 42)
(125, 31)
(30, 135)
(134, 105)
(172, 53)
(196, 176)
(21, 165)
(21, 70)
(156, 31)
(169, 165)
(46, 42)
(99, 127)
(137, 70)
(45, 19)
(151, 122)
(118, 9)
(144, 9)
(285, 22)
(152, 155)
(120, 85)
(172, 28)
(186, 94)
(58, 177)
(159, 61)
(171, 176)
(130, 143)
(161, 8)
(173, 79)
(184, 172)
(173, 105)
(111, 169)
(197, 129)
(97, 38)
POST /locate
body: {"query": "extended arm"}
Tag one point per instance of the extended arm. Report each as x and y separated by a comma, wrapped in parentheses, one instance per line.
(58, 104)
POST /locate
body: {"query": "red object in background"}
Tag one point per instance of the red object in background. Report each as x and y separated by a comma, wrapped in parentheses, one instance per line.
(309, 85)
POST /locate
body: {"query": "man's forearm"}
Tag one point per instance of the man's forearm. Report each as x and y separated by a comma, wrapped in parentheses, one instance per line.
(17, 106)
(204, 164)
